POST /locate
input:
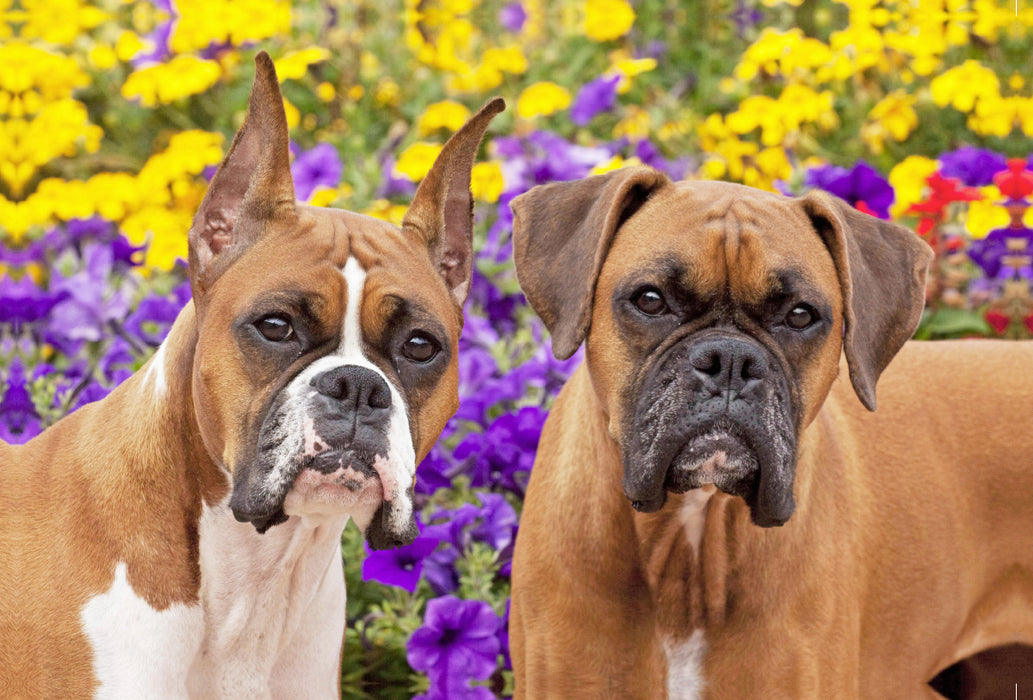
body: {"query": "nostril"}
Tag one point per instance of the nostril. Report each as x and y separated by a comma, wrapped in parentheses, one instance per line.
(745, 371)
(380, 396)
(708, 363)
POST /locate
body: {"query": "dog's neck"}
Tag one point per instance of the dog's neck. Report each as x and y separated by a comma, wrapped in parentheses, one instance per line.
(267, 599)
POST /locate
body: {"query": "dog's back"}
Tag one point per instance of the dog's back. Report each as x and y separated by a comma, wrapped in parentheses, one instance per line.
(953, 496)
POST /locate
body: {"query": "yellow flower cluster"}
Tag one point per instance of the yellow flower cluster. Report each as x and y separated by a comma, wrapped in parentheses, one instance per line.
(157, 204)
(976, 90)
(440, 34)
(39, 121)
(167, 82)
(744, 161)
(204, 22)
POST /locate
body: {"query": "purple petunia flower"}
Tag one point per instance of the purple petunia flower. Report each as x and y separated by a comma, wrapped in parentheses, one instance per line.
(457, 643)
(433, 473)
(317, 167)
(1005, 253)
(503, 454)
(594, 97)
(22, 302)
(398, 567)
(19, 421)
(646, 152)
(745, 17)
(975, 167)
(513, 16)
(89, 305)
(861, 186)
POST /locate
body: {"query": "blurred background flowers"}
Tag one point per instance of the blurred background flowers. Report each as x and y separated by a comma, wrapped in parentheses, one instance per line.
(113, 114)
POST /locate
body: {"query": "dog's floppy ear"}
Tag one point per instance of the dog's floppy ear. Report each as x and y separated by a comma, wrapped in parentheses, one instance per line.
(252, 186)
(441, 213)
(881, 268)
(561, 235)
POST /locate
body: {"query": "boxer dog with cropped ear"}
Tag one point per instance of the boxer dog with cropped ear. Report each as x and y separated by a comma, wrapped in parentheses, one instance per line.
(714, 512)
(182, 537)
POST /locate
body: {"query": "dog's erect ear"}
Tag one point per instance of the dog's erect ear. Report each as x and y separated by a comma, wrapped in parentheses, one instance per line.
(441, 213)
(561, 235)
(881, 268)
(252, 186)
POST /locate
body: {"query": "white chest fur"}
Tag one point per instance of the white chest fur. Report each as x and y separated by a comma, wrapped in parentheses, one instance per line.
(137, 650)
(269, 623)
(685, 667)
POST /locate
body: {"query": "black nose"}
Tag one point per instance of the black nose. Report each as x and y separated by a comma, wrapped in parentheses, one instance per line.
(354, 386)
(728, 364)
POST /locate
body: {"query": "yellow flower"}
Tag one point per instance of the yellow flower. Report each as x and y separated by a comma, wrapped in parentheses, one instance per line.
(986, 214)
(326, 92)
(998, 116)
(127, 46)
(383, 209)
(167, 82)
(542, 98)
(773, 164)
(203, 22)
(962, 85)
(486, 181)
(608, 19)
(388, 93)
(615, 163)
(26, 67)
(442, 115)
(627, 68)
(635, 126)
(415, 161)
(295, 64)
(893, 116)
(508, 60)
(908, 181)
(59, 21)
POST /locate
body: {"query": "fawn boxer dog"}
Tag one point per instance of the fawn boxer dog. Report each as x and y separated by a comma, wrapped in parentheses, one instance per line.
(182, 536)
(711, 513)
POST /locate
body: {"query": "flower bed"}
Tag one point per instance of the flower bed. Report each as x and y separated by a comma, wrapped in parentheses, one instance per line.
(112, 119)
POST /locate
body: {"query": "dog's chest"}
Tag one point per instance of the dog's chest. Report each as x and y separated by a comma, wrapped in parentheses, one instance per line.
(137, 648)
(269, 622)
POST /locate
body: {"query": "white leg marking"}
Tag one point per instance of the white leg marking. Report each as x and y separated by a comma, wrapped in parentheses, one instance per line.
(685, 667)
(140, 652)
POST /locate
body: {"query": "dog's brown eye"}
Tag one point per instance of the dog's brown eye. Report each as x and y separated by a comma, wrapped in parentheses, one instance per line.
(420, 347)
(650, 302)
(800, 317)
(275, 328)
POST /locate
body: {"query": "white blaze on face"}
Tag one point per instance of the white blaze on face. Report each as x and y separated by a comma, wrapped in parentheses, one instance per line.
(299, 436)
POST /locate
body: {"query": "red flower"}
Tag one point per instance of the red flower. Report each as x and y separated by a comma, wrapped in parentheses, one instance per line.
(944, 191)
(998, 320)
(1016, 182)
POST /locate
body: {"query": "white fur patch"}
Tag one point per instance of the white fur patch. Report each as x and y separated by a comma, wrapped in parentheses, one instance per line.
(685, 667)
(274, 608)
(140, 652)
(693, 514)
(155, 376)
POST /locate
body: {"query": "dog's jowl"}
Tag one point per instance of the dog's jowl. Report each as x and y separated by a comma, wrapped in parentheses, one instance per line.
(182, 537)
(716, 508)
